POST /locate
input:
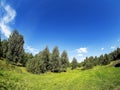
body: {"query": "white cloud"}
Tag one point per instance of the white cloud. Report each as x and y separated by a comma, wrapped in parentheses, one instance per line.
(102, 49)
(112, 47)
(80, 55)
(6, 19)
(82, 50)
(118, 40)
(31, 50)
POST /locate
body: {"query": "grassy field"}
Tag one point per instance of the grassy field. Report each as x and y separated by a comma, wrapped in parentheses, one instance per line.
(98, 78)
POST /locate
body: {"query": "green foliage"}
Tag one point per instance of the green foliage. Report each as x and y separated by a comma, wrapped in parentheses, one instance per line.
(116, 63)
(35, 65)
(15, 52)
(64, 61)
(4, 48)
(0, 48)
(102, 59)
(55, 60)
(88, 63)
(74, 63)
(106, 60)
(27, 56)
(45, 58)
(45, 61)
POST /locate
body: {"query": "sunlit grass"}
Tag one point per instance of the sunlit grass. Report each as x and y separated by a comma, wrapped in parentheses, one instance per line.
(98, 78)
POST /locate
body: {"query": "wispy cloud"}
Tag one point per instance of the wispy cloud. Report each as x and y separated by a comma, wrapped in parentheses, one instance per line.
(6, 19)
(31, 50)
(82, 50)
(112, 47)
(102, 49)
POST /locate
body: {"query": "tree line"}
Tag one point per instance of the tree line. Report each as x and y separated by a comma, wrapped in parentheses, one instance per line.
(13, 51)
(105, 59)
(46, 61)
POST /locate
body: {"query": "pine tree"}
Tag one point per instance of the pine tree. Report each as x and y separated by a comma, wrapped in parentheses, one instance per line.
(45, 58)
(101, 59)
(55, 60)
(4, 48)
(15, 48)
(0, 48)
(74, 63)
(106, 60)
(64, 61)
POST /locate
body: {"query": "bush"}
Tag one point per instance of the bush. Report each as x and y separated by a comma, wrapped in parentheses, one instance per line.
(116, 63)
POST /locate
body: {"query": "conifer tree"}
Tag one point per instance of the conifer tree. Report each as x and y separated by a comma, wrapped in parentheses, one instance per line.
(64, 61)
(15, 48)
(55, 60)
(74, 63)
(0, 48)
(4, 48)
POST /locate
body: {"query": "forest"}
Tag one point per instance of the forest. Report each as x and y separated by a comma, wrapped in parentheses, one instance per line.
(13, 51)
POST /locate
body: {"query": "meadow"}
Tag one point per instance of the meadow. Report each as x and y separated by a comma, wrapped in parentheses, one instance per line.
(99, 78)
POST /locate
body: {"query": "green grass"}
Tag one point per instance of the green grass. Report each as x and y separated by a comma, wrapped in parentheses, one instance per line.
(98, 78)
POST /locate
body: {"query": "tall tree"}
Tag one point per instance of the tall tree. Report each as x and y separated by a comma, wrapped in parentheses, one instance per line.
(0, 48)
(106, 60)
(15, 48)
(55, 60)
(64, 61)
(118, 53)
(74, 63)
(45, 58)
(4, 48)
(101, 59)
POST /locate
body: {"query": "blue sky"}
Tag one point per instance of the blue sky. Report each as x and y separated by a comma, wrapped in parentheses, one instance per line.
(81, 27)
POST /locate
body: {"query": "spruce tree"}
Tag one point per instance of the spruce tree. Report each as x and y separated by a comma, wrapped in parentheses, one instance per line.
(55, 60)
(74, 63)
(64, 61)
(15, 48)
(0, 48)
(4, 48)
(45, 59)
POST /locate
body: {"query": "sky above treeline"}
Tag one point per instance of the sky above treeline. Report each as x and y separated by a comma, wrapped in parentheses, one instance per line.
(81, 27)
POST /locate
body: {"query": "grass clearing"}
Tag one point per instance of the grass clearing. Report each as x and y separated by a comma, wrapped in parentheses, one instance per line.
(98, 78)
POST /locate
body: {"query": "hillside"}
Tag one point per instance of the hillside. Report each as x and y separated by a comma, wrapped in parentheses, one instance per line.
(98, 78)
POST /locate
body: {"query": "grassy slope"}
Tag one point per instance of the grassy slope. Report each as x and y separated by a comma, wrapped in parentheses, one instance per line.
(99, 78)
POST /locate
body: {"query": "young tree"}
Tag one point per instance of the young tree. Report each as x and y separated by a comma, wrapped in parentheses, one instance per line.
(89, 62)
(64, 61)
(74, 63)
(55, 60)
(15, 48)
